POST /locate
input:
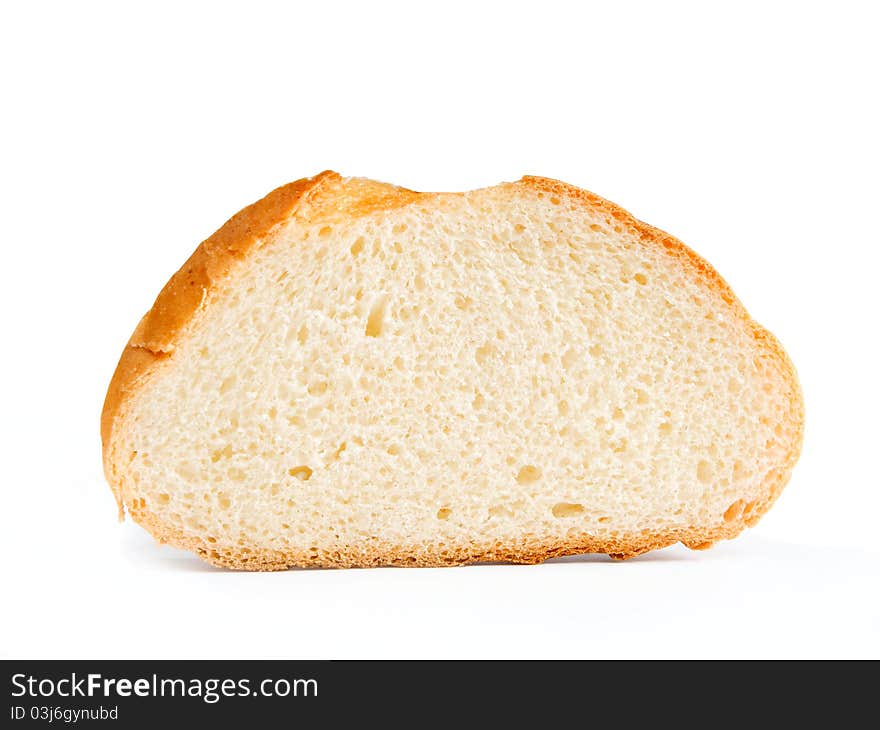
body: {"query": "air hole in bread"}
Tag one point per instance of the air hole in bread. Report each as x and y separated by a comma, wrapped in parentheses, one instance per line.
(567, 509)
(338, 453)
(318, 387)
(734, 511)
(704, 471)
(528, 474)
(375, 321)
(303, 473)
(483, 353)
(223, 453)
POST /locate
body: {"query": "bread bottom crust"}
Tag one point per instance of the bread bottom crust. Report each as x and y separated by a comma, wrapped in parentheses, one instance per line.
(528, 551)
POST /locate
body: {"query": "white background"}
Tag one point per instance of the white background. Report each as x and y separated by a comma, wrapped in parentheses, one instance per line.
(129, 135)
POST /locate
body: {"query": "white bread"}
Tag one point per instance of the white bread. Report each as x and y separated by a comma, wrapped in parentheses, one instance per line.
(352, 374)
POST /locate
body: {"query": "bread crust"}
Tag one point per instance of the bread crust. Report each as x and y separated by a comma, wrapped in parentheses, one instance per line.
(329, 197)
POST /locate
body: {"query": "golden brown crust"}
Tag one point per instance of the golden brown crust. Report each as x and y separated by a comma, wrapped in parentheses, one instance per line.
(328, 197)
(181, 298)
(188, 289)
(184, 293)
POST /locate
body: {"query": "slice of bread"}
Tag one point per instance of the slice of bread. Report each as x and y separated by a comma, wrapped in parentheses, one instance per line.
(349, 373)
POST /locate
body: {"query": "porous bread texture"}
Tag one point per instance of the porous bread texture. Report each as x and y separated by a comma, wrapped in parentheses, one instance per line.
(363, 375)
